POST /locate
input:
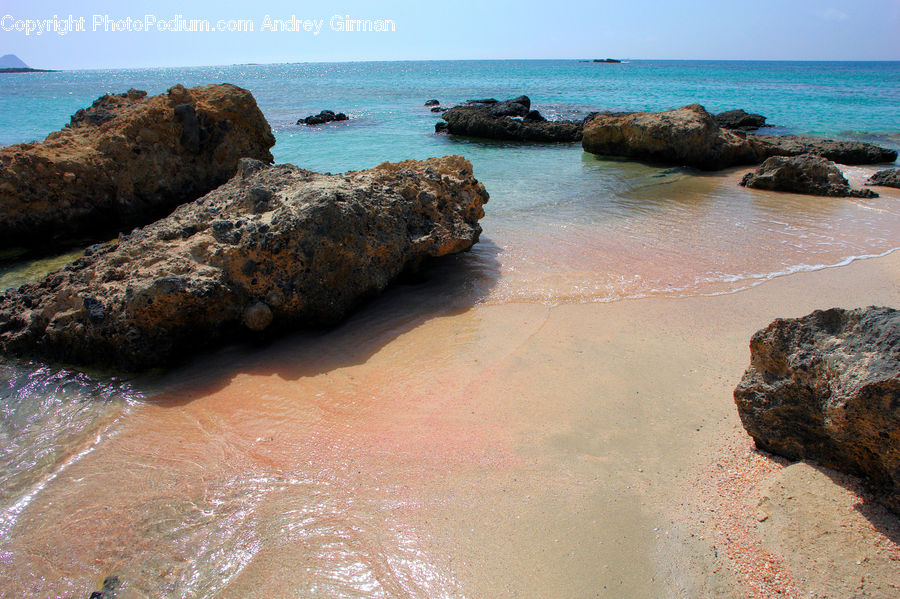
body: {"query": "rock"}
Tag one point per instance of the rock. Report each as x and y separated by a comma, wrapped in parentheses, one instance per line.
(843, 152)
(325, 116)
(439, 109)
(807, 173)
(826, 387)
(889, 177)
(275, 248)
(607, 60)
(109, 590)
(739, 119)
(127, 160)
(511, 120)
(687, 136)
(432, 102)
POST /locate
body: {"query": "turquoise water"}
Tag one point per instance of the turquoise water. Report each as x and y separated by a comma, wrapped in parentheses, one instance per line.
(561, 226)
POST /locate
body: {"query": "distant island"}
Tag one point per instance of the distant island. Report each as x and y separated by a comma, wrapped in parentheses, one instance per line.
(10, 63)
(606, 60)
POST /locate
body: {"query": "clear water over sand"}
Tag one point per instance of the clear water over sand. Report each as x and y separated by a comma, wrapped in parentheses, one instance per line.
(505, 428)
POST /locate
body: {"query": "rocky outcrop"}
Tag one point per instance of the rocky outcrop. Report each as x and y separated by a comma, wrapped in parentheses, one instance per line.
(826, 387)
(687, 136)
(889, 177)
(432, 102)
(691, 136)
(807, 173)
(325, 116)
(740, 120)
(275, 248)
(511, 120)
(843, 152)
(126, 160)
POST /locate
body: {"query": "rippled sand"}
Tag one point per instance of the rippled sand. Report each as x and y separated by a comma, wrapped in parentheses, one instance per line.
(422, 449)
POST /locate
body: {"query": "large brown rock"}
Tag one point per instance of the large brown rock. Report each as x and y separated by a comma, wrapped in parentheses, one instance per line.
(687, 136)
(509, 120)
(889, 177)
(807, 173)
(826, 387)
(127, 160)
(275, 248)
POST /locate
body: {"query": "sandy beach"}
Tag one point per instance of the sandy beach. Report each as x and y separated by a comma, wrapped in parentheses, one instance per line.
(516, 450)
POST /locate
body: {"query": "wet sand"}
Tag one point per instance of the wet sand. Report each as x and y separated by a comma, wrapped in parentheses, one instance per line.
(511, 450)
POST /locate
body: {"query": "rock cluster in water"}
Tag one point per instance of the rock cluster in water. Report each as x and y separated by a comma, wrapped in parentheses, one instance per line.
(275, 248)
(510, 120)
(826, 387)
(807, 173)
(325, 116)
(691, 136)
(126, 160)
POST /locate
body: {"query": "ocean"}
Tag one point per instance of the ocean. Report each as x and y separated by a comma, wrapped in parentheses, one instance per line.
(561, 227)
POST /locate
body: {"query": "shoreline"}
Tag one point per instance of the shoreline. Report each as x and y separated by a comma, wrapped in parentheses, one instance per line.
(500, 450)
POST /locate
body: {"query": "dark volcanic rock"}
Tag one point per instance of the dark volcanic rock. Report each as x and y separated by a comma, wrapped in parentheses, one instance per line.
(126, 160)
(889, 177)
(739, 119)
(826, 387)
(439, 109)
(843, 152)
(275, 248)
(432, 102)
(687, 136)
(806, 173)
(511, 120)
(325, 116)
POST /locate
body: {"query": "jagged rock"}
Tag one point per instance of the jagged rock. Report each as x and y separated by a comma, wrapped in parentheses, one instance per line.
(439, 109)
(826, 387)
(807, 173)
(889, 177)
(432, 102)
(741, 120)
(843, 152)
(275, 248)
(511, 120)
(127, 160)
(687, 136)
(325, 116)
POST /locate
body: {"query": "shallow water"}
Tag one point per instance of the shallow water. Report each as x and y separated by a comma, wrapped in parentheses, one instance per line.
(418, 450)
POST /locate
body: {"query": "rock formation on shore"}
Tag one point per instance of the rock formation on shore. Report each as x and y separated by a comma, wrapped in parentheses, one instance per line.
(687, 136)
(127, 160)
(325, 116)
(740, 120)
(844, 152)
(511, 120)
(826, 387)
(691, 136)
(807, 173)
(889, 177)
(275, 248)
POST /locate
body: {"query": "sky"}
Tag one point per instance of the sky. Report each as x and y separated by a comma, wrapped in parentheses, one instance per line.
(441, 29)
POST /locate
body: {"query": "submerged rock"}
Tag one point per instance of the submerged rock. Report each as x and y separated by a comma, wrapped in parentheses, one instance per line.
(843, 152)
(511, 120)
(740, 119)
(826, 387)
(807, 173)
(325, 116)
(889, 177)
(127, 160)
(275, 248)
(687, 136)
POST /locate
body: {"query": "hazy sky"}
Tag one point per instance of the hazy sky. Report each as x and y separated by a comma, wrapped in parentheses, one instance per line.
(448, 29)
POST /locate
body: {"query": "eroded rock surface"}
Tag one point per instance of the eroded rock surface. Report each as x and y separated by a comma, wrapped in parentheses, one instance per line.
(889, 177)
(740, 119)
(844, 152)
(807, 173)
(126, 160)
(275, 248)
(826, 387)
